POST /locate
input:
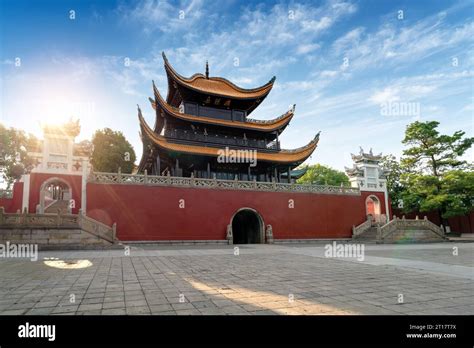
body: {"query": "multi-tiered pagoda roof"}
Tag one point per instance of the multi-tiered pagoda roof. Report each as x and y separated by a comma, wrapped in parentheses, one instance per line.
(201, 116)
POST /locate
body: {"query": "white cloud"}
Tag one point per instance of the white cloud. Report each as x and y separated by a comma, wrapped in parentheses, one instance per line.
(394, 44)
(328, 73)
(420, 90)
(348, 40)
(385, 96)
(162, 15)
(307, 48)
(316, 25)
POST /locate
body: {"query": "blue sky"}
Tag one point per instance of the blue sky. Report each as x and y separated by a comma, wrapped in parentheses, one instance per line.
(341, 62)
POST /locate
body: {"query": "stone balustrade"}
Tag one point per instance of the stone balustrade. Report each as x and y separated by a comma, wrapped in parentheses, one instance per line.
(57, 221)
(397, 224)
(136, 179)
(358, 230)
(6, 194)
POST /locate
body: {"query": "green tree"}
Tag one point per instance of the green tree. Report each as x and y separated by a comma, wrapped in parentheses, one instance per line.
(111, 152)
(394, 172)
(14, 159)
(458, 186)
(434, 174)
(319, 174)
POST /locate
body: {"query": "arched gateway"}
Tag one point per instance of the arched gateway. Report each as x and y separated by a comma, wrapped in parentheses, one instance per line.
(247, 227)
(55, 195)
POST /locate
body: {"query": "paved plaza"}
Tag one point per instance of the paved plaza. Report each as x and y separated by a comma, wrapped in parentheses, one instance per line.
(253, 280)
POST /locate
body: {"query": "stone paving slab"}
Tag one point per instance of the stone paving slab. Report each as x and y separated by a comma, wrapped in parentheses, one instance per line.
(261, 280)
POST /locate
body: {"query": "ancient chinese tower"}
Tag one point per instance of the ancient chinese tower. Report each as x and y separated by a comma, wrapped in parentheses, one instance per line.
(205, 117)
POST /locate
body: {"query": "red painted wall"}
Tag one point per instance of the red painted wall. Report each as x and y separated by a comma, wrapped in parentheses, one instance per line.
(11, 205)
(153, 213)
(37, 179)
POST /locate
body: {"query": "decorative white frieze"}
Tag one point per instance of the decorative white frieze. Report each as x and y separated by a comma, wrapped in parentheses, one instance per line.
(135, 179)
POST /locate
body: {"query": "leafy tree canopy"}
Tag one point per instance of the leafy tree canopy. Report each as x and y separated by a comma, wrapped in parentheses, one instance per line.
(111, 152)
(432, 153)
(14, 159)
(319, 174)
(394, 171)
(434, 176)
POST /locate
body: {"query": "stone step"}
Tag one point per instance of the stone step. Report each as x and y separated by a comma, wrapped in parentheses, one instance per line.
(61, 206)
(370, 234)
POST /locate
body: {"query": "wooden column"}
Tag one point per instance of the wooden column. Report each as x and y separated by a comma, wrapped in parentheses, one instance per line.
(177, 167)
(289, 175)
(208, 170)
(158, 167)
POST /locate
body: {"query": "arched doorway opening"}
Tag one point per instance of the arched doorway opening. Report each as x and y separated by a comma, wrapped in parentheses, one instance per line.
(247, 227)
(55, 195)
(372, 208)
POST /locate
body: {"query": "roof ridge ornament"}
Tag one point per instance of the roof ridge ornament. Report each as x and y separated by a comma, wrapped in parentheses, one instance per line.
(316, 137)
(207, 70)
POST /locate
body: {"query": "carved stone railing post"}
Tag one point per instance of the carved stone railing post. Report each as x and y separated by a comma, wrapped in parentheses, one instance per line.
(114, 232)
(214, 180)
(168, 178)
(119, 175)
(229, 234)
(145, 177)
(379, 232)
(269, 234)
(24, 217)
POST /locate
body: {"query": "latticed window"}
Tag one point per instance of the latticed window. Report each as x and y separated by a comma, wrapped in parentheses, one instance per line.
(371, 177)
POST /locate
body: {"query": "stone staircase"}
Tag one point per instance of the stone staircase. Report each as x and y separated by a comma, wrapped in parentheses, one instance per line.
(399, 231)
(56, 231)
(369, 234)
(60, 206)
